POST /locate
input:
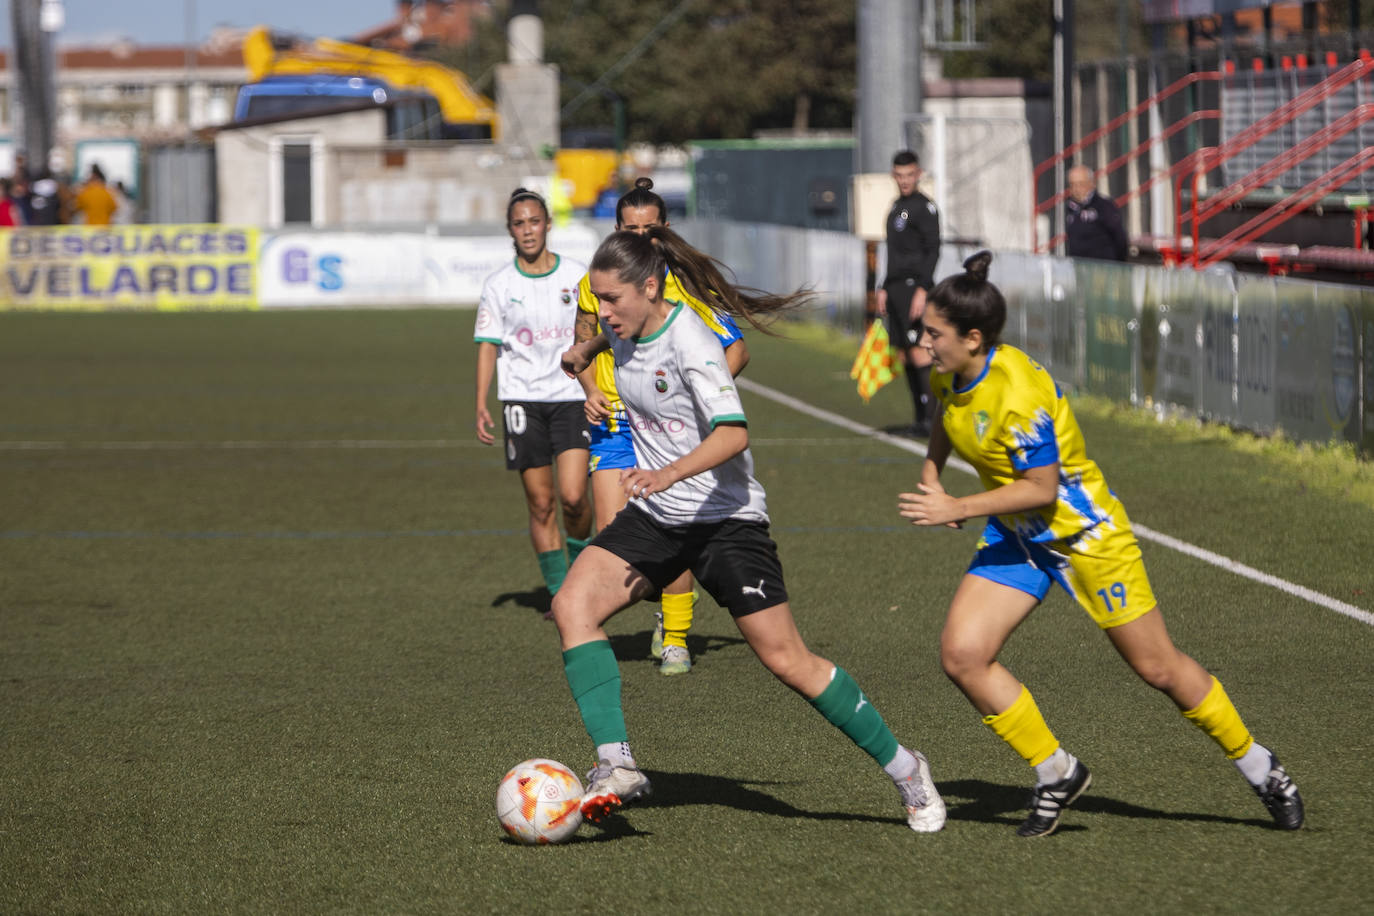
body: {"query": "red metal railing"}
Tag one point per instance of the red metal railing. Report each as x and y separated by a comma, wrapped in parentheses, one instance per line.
(1219, 249)
(1205, 159)
(1280, 117)
(1039, 207)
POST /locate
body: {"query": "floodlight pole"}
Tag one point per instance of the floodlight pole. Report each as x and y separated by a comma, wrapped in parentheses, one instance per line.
(33, 25)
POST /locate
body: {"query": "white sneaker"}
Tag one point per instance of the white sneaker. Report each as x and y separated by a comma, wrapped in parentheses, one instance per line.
(676, 660)
(925, 809)
(609, 787)
(656, 641)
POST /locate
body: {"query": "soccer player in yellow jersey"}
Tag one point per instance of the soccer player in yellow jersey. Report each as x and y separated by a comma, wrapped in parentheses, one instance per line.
(611, 447)
(1051, 517)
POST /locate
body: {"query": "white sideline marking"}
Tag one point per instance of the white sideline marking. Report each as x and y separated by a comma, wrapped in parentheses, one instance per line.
(1199, 553)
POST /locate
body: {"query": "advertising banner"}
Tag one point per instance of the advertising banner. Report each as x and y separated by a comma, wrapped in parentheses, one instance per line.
(1105, 295)
(314, 269)
(129, 267)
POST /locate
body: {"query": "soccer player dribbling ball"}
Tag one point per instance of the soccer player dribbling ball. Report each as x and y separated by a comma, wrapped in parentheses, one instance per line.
(1051, 517)
(612, 447)
(524, 322)
(694, 504)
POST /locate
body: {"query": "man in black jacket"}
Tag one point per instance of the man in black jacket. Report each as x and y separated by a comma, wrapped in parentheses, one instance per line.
(1092, 222)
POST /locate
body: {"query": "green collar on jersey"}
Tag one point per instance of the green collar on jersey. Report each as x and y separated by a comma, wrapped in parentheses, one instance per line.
(677, 307)
(557, 259)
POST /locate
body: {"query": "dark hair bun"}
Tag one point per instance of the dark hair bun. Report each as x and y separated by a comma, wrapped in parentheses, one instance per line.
(644, 184)
(976, 265)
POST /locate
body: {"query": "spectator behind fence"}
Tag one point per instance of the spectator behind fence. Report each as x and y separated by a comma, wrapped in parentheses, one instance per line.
(94, 203)
(9, 211)
(20, 193)
(46, 200)
(1092, 222)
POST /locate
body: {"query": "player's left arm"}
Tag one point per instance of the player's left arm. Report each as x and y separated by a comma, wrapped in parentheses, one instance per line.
(724, 442)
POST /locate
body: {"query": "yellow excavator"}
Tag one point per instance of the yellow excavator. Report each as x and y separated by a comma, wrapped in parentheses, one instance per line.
(429, 101)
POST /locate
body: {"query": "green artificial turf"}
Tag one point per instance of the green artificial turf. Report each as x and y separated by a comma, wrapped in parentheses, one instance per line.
(270, 633)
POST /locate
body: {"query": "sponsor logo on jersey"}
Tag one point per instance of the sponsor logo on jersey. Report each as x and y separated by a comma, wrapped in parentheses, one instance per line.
(660, 381)
(529, 336)
(980, 424)
(515, 301)
(657, 425)
(483, 318)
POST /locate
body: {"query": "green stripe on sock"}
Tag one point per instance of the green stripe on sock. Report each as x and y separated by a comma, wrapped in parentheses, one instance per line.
(844, 706)
(553, 566)
(594, 678)
(575, 546)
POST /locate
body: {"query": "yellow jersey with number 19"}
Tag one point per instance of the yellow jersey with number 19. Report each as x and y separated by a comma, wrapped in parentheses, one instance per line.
(1013, 417)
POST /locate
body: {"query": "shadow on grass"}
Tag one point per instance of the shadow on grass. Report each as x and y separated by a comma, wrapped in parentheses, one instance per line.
(536, 599)
(993, 803)
(635, 646)
(673, 790)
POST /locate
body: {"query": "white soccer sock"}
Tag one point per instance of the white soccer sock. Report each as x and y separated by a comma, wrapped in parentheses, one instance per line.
(1254, 764)
(1054, 767)
(617, 753)
(901, 766)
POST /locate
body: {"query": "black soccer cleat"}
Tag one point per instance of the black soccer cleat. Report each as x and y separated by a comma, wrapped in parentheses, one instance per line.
(1280, 795)
(1050, 800)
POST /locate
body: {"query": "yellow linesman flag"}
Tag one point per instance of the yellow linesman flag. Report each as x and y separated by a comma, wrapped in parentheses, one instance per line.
(874, 367)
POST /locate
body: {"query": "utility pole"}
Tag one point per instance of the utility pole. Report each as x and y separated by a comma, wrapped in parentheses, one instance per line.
(34, 25)
(889, 45)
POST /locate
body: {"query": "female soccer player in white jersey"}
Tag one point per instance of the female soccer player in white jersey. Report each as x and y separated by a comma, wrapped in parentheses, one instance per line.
(695, 504)
(612, 446)
(524, 323)
(1050, 517)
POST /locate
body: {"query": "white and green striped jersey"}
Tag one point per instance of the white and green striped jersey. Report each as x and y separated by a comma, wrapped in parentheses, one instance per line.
(530, 317)
(677, 387)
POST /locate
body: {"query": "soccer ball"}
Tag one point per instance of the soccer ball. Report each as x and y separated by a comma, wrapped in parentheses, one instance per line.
(539, 801)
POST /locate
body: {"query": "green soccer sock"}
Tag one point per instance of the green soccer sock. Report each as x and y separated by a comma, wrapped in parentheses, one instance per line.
(594, 678)
(575, 547)
(553, 566)
(844, 706)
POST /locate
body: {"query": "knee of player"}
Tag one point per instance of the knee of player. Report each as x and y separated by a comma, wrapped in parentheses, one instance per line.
(542, 511)
(959, 658)
(576, 506)
(1158, 672)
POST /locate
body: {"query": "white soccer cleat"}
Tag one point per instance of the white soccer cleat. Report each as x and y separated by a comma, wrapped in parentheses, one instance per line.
(925, 809)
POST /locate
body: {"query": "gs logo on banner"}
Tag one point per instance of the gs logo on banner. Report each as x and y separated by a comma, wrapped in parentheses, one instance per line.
(325, 273)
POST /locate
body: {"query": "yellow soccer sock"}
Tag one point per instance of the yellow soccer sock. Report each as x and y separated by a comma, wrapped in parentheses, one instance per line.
(1022, 726)
(677, 617)
(1217, 716)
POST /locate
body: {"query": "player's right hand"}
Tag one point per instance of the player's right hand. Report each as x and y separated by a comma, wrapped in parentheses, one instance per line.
(485, 426)
(574, 360)
(596, 407)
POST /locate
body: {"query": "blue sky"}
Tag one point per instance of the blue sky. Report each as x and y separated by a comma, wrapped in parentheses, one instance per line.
(157, 22)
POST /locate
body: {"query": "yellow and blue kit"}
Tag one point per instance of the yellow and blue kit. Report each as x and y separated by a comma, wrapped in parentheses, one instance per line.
(1013, 417)
(611, 445)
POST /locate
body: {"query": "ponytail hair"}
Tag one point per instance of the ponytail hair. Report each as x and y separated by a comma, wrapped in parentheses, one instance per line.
(642, 195)
(635, 258)
(968, 301)
(520, 194)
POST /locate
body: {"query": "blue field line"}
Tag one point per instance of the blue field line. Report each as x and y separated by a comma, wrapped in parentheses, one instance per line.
(1142, 532)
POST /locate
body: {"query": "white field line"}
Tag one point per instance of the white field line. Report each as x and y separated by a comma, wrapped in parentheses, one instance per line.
(1199, 553)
